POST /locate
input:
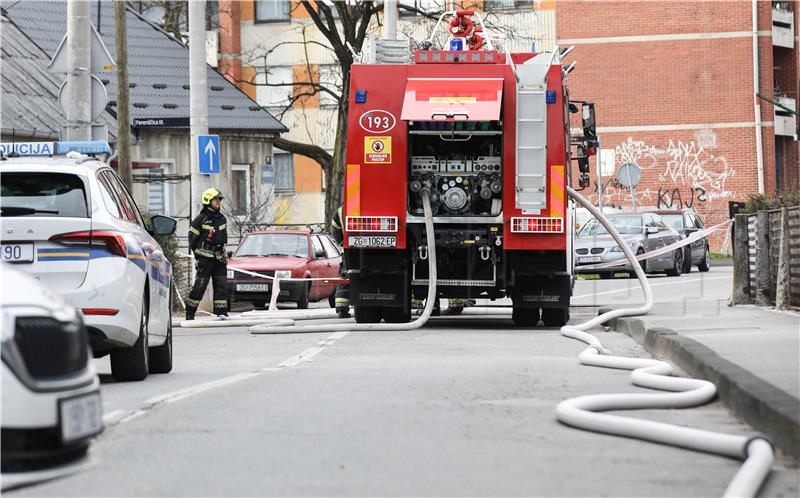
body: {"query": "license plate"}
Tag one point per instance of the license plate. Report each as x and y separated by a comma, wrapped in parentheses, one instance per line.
(17, 253)
(590, 259)
(252, 287)
(372, 241)
(80, 417)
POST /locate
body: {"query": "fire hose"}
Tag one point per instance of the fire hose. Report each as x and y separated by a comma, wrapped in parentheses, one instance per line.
(582, 412)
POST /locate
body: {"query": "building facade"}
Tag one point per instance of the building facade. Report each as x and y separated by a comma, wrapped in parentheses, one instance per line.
(674, 84)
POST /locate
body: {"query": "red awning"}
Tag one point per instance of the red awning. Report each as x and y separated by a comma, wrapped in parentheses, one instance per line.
(452, 99)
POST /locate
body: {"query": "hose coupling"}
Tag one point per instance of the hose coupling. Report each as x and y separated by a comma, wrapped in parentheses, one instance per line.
(755, 436)
(423, 252)
(486, 252)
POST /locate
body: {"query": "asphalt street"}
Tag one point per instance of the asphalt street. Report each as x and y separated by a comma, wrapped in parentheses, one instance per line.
(462, 407)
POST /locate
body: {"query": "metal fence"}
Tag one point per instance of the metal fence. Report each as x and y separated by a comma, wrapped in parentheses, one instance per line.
(767, 258)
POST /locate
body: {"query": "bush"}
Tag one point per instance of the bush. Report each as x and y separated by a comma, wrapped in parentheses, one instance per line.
(761, 202)
(169, 245)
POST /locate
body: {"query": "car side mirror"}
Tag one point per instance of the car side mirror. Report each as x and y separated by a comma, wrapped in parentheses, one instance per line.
(163, 225)
(652, 230)
(319, 254)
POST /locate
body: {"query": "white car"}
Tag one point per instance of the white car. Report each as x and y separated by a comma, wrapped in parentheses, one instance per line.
(51, 399)
(70, 222)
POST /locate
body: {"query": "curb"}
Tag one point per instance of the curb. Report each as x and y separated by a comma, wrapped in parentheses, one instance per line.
(759, 403)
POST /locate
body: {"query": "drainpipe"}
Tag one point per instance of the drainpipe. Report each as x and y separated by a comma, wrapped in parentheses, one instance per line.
(757, 102)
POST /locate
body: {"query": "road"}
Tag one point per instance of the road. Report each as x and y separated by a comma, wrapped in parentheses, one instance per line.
(463, 407)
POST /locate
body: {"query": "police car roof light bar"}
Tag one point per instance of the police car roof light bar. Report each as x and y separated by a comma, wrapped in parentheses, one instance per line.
(84, 147)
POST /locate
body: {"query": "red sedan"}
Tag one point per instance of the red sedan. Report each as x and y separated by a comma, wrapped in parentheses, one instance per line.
(297, 254)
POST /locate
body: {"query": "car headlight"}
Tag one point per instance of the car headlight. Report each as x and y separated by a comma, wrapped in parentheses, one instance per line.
(616, 249)
(230, 273)
(283, 274)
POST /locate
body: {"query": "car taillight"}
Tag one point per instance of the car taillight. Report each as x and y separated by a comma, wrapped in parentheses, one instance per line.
(371, 223)
(114, 242)
(537, 225)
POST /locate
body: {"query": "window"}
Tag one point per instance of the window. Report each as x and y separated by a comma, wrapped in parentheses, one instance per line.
(274, 96)
(274, 244)
(240, 189)
(128, 207)
(317, 247)
(38, 194)
(112, 205)
(490, 5)
(331, 78)
(330, 247)
(697, 222)
(689, 221)
(423, 5)
(271, 10)
(284, 172)
(157, 190)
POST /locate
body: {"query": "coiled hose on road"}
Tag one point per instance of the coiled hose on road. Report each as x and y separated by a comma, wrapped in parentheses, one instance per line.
(582, 411)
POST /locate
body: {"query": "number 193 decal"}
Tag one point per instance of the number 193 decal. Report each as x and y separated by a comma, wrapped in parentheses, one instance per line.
(377, 121)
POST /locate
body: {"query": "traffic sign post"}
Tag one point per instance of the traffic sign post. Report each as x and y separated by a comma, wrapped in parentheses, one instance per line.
(208, 154)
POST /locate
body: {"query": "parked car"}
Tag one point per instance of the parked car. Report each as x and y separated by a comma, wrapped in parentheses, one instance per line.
(642, 232)
(70, 222)
(51, 394)
(686, 223)
(284, 254)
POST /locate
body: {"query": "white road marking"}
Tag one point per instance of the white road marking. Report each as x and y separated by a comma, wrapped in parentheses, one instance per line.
(660, 284)
(122, 416)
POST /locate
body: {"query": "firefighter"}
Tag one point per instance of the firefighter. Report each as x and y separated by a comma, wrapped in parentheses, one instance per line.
(208, 235)
(342, 290)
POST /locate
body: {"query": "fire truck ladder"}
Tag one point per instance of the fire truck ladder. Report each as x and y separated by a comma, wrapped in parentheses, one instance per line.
(531, 134)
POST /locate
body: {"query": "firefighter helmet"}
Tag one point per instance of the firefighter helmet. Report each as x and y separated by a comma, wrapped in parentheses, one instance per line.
(209, 195)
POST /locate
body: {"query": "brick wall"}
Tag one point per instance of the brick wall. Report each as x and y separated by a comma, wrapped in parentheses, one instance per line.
(680, 103)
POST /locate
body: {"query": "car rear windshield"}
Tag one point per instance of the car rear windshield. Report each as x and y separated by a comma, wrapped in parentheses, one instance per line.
(623, 224)
(274, 244)
(42, 194)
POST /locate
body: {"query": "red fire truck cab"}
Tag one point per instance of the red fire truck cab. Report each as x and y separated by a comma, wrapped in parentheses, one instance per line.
(487, 134)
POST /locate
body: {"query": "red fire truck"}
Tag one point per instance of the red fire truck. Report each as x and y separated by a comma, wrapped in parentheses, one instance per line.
(487, 134)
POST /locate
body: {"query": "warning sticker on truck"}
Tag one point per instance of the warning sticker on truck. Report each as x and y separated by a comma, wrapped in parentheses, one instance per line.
(377, 150)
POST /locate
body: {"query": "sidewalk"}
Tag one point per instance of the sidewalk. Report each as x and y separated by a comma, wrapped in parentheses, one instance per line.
(752, 355)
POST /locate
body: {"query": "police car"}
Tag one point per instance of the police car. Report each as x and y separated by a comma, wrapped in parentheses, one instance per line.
(51, 394)
(69, 221)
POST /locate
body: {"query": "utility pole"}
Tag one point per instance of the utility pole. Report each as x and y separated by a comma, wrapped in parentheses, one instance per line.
(79, 77)
(123, 94)
(390, 20)
(198, 95)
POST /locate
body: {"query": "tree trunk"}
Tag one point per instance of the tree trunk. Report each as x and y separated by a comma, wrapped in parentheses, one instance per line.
(334, 181)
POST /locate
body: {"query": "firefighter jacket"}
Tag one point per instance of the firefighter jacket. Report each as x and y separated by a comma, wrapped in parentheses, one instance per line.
(208, 234)
(337, 227)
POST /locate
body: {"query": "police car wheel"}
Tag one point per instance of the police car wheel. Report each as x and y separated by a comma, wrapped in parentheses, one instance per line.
(161, 356)
(132, 363)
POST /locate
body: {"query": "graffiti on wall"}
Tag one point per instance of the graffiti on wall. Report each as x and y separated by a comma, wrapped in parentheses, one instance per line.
(687, 174)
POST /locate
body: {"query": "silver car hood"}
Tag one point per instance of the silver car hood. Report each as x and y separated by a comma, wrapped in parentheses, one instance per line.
(603, 241)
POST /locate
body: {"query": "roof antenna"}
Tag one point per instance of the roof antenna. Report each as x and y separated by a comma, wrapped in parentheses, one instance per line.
(13, 152)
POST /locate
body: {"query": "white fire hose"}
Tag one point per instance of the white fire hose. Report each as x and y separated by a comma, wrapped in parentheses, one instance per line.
(580, 412)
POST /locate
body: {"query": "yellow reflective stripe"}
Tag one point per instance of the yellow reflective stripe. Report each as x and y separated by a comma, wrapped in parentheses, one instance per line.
(194, 230)
(557, 191)
(353, 190)
(207, 227)
(203, 252)
(223, 226)
(193, 301)
(220, 301)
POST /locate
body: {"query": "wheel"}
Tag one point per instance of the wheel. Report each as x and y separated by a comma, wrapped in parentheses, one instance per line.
(259, 303)
(555, 317)
(161, 356)
(397, 315)
(302, 303)
(332, 299)
(367, 314)
(705, 263)
(132, 363)
(640, 251)
(525, 317)
(605, 275)
(687, 260)
(677, 264)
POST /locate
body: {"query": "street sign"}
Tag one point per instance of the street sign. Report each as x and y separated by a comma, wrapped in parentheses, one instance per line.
(607, 159)
(101, 59)
(208, 153)
(629, 175)
(99, 97)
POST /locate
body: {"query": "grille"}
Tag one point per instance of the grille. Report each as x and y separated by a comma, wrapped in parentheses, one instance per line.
(242, 275)
(597, 250)
(36, 449)
(582, 251)
(51, 348)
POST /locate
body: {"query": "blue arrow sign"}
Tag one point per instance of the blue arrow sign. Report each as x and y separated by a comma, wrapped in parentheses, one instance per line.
(208, 153)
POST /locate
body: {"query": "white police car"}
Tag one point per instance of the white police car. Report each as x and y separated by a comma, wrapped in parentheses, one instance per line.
(51, 400)
(70, 222)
